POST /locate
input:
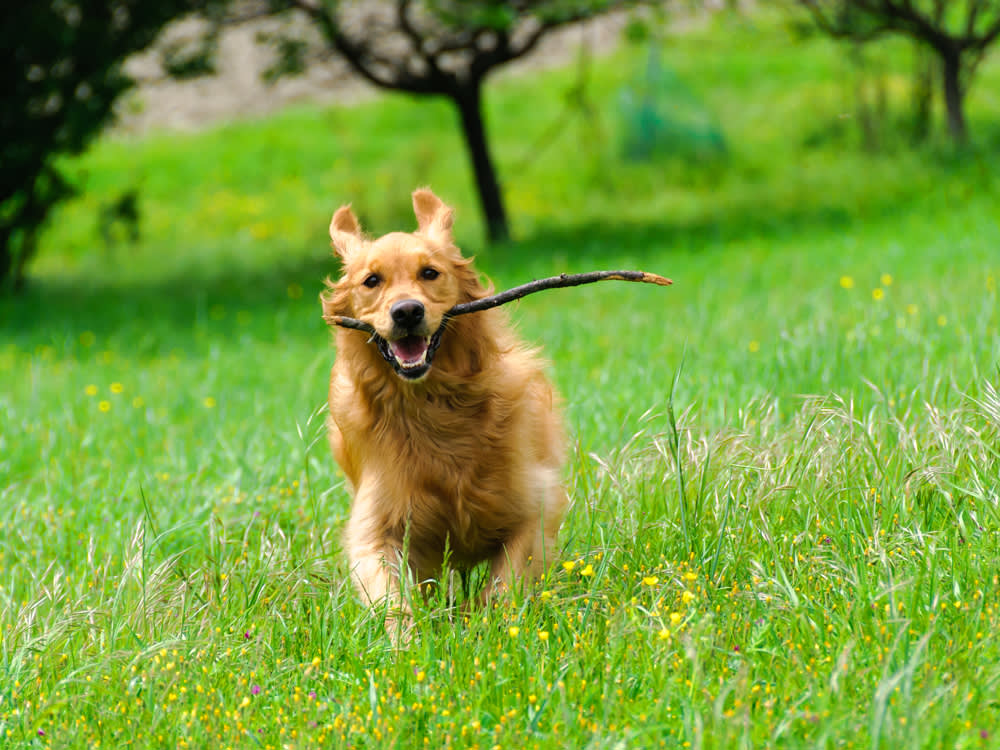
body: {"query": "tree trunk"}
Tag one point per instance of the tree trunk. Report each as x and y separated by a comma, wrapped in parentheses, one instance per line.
(469, 103)
(923, 92)
(6, 267)
(951, 68)
(14, 255)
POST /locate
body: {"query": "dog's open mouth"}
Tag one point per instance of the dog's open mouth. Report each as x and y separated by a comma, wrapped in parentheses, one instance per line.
(410, 356)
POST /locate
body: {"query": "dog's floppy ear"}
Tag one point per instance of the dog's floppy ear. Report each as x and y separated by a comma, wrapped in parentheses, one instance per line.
(345, 232)
(433, 216)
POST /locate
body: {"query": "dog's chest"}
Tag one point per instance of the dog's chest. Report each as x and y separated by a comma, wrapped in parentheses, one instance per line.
(452, 474)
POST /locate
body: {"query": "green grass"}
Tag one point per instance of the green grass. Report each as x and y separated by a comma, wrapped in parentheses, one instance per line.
(785, 468)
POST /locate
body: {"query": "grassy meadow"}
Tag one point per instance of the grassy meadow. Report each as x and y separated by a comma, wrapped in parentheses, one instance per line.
(785, 469)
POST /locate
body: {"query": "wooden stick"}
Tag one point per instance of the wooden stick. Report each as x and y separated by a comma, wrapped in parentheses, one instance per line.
(554, 282)
(495, 300)
(344, 322)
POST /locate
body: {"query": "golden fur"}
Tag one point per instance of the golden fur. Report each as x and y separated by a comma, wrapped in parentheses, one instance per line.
(466, 458)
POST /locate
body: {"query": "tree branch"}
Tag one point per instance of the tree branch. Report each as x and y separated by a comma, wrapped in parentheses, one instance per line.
(506, 50)
(495, 300)
(837, 29)
(360, 56)
(901, 15)
(532, 41)
(989, 35)
(555, 282)
(905, 17)
(411, 32)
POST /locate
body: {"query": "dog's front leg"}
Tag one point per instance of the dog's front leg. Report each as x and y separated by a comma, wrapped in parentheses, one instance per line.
(376, 564)
(532, 547)
(525, 554)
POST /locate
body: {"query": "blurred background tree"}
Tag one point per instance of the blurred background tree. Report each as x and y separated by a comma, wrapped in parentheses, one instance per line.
(957, 32)
(64, 61)
(427, 48)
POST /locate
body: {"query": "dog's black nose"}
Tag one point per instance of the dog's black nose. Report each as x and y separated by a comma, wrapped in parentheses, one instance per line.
(407, 313)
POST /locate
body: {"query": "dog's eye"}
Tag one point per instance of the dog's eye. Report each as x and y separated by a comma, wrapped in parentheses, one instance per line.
(429, 274)
(372, 281)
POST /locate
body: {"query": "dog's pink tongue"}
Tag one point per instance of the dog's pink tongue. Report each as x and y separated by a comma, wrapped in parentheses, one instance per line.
(409, 348)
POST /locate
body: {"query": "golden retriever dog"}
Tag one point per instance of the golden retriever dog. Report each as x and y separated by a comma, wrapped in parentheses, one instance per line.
(450, 439)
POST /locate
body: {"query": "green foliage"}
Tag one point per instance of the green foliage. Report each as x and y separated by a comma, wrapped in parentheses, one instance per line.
(503, 15)
(290, 56)
(192, 58)
(663, 118)
(784, 467)
(63, 61)
(958, 35)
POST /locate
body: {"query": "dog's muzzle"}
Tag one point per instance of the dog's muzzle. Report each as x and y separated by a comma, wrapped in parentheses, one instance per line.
(411, 348)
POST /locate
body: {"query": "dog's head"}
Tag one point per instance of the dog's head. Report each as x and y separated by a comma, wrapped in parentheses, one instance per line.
(402, 284)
